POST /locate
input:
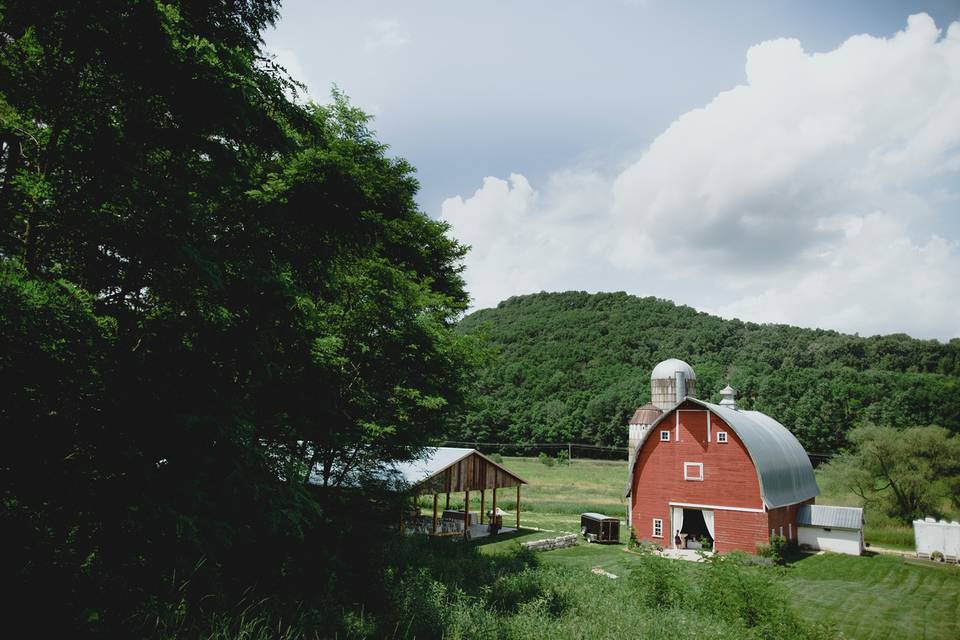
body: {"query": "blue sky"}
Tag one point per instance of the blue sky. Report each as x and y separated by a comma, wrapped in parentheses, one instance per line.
(748, 159)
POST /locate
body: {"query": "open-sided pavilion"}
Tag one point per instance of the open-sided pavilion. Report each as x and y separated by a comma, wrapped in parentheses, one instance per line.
(446, 470)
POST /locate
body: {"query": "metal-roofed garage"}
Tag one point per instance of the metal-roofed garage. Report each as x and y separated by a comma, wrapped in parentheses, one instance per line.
(837, 529)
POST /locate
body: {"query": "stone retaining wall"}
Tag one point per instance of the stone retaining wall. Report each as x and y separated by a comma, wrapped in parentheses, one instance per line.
(549, 544)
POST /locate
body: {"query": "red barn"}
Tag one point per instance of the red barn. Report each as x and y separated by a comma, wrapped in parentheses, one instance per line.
(712, 472)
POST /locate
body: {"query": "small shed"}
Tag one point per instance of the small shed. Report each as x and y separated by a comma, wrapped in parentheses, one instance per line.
(446, 470)
(837, 529)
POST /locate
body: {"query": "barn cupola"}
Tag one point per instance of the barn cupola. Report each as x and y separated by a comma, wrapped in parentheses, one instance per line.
(671, 381)
(728, 397)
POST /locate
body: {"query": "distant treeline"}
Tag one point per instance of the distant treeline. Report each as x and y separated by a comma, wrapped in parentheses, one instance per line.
(573, 366)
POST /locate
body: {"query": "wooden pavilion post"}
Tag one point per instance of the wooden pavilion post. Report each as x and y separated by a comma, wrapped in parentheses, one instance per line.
(494, 508)
(482, 492)
(466, 514)
(518, 507)
(435, 497)
(448, 502)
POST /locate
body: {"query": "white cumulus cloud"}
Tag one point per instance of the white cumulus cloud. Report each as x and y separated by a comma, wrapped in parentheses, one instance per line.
(801, 196)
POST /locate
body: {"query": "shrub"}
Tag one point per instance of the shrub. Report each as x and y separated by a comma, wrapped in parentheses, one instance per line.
(749, 597)
(509, 592)
(496, 457)
(645, 547)
(659, 583)
(563, 457)
(747, 560)
(546, 460)
(778, 550)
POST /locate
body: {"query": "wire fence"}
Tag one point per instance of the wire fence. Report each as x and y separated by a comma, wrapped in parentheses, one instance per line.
(574, 450)
(533, 449)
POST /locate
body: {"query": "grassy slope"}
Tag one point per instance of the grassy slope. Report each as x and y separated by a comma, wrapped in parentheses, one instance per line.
(869, 597)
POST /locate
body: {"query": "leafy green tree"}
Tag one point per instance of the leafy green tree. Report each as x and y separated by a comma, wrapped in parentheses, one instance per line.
(207, 289)
(908, 473)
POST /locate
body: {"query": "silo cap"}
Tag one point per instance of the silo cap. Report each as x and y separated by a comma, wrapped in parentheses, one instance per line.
(668, 370)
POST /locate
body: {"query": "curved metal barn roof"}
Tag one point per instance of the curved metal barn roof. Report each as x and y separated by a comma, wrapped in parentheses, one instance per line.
(783, 467)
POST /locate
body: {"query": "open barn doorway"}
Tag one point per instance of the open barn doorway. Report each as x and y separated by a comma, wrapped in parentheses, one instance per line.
(694, 528)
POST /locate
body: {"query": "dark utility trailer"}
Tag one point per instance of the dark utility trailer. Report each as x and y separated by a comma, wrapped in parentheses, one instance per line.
(597, 527)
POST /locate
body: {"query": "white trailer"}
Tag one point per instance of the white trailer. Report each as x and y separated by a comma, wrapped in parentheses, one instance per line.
(937, 537)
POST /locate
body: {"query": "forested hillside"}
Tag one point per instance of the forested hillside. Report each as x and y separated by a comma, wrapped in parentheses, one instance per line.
(573, 366)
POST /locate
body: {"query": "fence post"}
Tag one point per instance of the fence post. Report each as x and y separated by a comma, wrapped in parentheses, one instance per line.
(569, 452)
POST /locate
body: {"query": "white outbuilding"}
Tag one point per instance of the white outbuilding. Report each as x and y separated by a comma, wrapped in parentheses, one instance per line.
(837, 529)
(933, 537)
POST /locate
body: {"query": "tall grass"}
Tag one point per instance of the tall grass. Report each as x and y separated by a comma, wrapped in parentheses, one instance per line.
(661, 600)
(438, 588)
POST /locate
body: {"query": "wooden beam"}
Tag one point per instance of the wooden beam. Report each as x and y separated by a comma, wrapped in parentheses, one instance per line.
(435, 497)
(518, 506)
(482, 492)
(448, 501)
(466, 513)
(494, 509)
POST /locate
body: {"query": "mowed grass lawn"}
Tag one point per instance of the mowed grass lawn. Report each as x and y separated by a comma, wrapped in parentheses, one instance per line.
(870, 597)
(878, 597)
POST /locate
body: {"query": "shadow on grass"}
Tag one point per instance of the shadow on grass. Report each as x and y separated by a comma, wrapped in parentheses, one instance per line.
(797, 557)
(503, 537)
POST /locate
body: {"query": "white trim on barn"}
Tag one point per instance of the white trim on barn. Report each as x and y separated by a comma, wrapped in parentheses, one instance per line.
(690, 505)
(693, 465)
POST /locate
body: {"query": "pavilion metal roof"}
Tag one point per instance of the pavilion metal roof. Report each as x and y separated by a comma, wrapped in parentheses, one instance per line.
(434, 461)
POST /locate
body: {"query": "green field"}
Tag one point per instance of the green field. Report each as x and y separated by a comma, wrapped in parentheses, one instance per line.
(875, 597)
(556, 496)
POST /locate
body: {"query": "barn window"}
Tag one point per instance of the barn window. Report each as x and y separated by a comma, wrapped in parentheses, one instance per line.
(693, 471)
(657, 528)
(664, 436)
(721, 436)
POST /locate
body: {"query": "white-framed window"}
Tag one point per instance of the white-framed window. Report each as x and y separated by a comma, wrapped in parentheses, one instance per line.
(693, 471)
(664, 436)
(657, 528)
(721, 437)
